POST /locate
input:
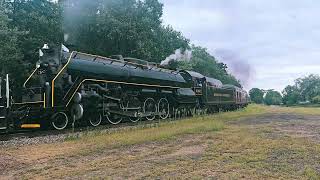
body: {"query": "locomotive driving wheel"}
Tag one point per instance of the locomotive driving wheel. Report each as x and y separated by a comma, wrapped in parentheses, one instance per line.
(111, 113)
(114, 118)
(59, 121)
(163, 108)
(134, 102)
(179, 113)
(150, 107)
(198, 110)
(95, 119)
(134, 119)
(189, 112)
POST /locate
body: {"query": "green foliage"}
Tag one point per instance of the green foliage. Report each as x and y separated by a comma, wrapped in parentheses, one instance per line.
(40, 20)
(105, 27)
(305, 89)
(25, 26)
(256, 95)
(291, 95)
(308, 87)
(128, 27)
(316, 99)
(10, 53)
(8, 40)
(134, 28)
(273, 98)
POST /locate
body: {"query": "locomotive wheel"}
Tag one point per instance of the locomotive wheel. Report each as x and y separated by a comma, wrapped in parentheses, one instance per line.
(179, 113)
(189, 112)
(149, 106)
(184, 112)
(135, 101)
(114, 118)
(134, 119)
(60, 121)
(198, 111)
(95, 120)
(164, 108)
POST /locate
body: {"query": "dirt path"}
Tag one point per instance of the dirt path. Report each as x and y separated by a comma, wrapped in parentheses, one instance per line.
(270, 146)
(304, 126)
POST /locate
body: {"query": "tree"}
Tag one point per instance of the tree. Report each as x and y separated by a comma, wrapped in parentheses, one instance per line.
(133, 28)
(308, 87)
(273, 98)
(8, 41)
(10, 54)
(106, 27)
(25, 26)
(40, 20)
(316, 100)
(256, 95)
(291, 95)
(128, 27)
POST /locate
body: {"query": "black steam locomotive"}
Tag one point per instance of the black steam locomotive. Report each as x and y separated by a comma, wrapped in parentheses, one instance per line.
(72, 87)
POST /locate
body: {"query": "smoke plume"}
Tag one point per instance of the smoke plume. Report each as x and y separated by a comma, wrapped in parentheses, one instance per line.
(77, 14)
(177, 56)
(237, 66)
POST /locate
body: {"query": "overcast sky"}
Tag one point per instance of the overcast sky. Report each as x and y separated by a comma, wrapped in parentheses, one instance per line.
(272, 42)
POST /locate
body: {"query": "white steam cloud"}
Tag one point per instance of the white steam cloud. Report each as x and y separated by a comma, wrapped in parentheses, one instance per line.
(177, 56)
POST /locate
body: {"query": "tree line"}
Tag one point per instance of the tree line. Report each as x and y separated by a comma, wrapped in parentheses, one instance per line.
(304, 90)
(133, 28)
(268, 97)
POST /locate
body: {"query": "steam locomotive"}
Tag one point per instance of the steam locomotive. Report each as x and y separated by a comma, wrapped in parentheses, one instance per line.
(72, 87)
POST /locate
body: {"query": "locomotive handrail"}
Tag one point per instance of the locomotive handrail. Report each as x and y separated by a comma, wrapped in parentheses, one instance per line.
(0, 87)
(34, 71)
(125, 62)
(7, 90)
(110, 59)
(52, 83)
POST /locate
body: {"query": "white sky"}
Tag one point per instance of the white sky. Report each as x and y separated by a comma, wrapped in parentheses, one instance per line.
(277, 39)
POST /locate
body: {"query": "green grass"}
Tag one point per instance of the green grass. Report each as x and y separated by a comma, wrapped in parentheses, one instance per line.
(227, 150)
(168, 130)
(310, 110)
(297, 110)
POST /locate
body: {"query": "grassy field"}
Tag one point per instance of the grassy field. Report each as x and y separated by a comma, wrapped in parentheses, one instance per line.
(256, 142)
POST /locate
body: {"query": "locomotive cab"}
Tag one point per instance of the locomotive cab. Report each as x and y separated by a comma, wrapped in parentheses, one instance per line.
(199, 83)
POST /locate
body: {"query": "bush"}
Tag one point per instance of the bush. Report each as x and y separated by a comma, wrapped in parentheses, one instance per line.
(316, 99)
